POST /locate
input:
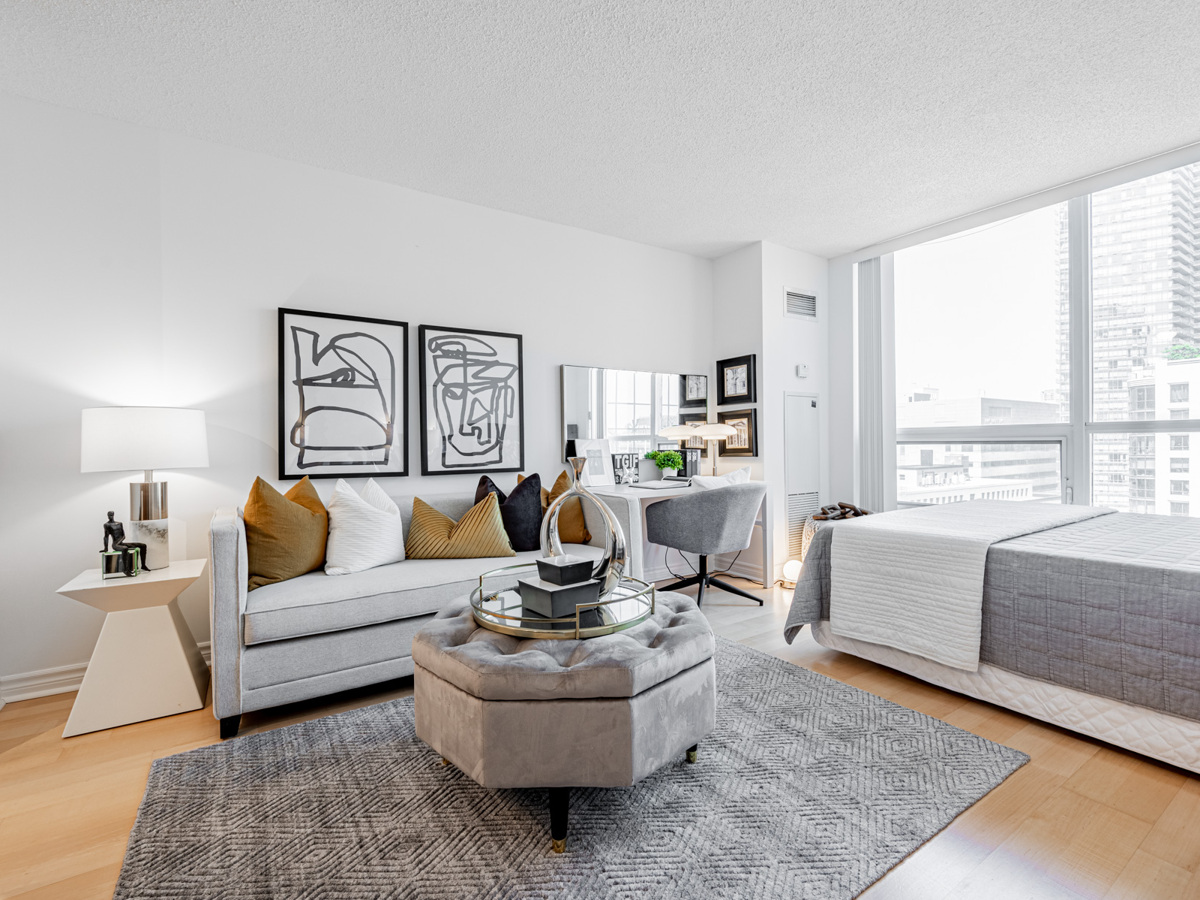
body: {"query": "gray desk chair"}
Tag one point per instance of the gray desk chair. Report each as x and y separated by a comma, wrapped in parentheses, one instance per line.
(718, 521)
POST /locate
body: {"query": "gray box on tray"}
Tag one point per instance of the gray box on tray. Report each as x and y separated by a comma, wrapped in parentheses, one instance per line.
(556, 601)
(565, 569)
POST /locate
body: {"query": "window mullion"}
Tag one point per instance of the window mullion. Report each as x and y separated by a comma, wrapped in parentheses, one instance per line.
(1078, 456)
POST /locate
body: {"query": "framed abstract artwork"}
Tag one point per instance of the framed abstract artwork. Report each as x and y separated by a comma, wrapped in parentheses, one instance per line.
(343, 395)
(472, 401)
(745, 442)
(693, 391)
(736, 380)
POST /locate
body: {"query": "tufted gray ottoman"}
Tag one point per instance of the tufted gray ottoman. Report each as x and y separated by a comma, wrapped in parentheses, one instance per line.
(602, 712)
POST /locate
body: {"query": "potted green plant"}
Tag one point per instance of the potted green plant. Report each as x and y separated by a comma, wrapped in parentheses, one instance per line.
(669, 461)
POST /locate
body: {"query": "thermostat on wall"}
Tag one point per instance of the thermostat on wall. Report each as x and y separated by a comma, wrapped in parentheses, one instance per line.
(801, 371)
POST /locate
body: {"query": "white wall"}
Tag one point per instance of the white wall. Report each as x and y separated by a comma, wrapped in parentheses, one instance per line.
(748, 317)
(787, 343)
(737, 329)
(144, 268)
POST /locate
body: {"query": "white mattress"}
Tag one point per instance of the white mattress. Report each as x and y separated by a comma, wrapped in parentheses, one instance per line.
(1155, 734)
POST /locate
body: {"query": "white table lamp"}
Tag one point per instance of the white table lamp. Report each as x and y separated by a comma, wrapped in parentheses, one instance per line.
(679, 432)
(127, 438)
(708, 431)
(714, 432)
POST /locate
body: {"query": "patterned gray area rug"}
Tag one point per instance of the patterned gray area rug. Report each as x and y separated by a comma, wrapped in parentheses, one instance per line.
(808, 788)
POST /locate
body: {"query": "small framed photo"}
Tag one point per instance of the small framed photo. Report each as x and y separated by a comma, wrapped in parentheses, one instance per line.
(736, 380)
(693, 391)
(745, 442)
(695, 443)
(599, 468)
(625, 464)
(343, 395)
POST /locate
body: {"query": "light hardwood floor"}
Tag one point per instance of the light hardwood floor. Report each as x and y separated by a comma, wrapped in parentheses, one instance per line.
(1080, 820)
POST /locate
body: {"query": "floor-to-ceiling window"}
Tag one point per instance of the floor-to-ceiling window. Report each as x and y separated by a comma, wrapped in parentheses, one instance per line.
(981, 400)
(1051, 356)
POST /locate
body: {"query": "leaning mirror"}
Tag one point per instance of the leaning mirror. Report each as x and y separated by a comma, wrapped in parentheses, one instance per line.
(628, 409)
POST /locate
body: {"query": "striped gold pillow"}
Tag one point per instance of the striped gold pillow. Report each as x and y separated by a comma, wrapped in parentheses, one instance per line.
(434, 535)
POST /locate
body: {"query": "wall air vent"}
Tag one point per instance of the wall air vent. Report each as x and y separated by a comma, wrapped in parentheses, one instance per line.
(801, 306)
(799, 508)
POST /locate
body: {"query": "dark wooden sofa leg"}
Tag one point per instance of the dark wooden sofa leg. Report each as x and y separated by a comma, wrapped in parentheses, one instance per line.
(230, 726)
(692, 751)
(560, 803)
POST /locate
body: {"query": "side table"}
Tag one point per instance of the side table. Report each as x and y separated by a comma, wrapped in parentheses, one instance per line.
(146, 663)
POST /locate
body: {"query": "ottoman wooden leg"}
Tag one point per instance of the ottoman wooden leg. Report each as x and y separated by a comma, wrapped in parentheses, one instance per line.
(560, 801)
(691, 752)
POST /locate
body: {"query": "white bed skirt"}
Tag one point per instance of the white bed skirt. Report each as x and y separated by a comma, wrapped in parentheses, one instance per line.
(1159, 735)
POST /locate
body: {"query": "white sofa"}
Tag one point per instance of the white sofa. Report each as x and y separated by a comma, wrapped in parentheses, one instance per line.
(319, 634)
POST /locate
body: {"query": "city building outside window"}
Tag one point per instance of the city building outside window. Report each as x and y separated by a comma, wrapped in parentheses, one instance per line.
(958, 377)
(1179, 487)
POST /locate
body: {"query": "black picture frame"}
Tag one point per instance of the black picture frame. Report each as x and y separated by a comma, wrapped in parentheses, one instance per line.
(495, 444)
(342, 379)
(700, 398)
(746, 419)
(694, 443)
(745, 388)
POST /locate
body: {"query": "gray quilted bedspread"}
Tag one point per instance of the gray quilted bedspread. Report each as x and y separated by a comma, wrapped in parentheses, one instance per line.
(1110, 605)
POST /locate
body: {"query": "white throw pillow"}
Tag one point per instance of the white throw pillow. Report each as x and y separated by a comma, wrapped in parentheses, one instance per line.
(712, 482)
(364, 531)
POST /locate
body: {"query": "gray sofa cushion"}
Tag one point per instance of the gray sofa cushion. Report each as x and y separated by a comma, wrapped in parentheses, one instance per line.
(317, 603)
(282, 662)
(495, 666)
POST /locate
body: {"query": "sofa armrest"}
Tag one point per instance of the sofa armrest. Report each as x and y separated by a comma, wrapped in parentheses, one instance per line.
(227, 580)
(628, 513)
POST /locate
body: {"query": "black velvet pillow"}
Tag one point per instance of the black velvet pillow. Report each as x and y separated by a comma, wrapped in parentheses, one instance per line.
(521, 510)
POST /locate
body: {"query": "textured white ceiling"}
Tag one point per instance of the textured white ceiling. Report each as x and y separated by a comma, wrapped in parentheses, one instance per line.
(696, 125)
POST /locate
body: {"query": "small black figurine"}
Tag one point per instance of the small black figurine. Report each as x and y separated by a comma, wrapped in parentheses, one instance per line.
(115, 531)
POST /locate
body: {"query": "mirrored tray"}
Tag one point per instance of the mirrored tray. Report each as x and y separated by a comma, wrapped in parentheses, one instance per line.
(497, 606)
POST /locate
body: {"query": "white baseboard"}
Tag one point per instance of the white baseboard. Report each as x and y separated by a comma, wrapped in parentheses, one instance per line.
(59, 680)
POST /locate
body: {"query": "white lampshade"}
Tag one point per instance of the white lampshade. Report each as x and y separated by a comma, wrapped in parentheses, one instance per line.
(678, 431)
(713, 431)
(128, 438)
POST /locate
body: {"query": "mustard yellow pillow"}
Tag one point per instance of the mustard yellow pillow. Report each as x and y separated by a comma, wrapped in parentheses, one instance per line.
(285, 533)
(572, 526)
(479, 533)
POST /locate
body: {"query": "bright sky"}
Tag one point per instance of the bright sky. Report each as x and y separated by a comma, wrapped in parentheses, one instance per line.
(975, 312)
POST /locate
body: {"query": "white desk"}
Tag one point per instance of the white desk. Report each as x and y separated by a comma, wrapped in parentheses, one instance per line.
(146, 663)
(654, 556)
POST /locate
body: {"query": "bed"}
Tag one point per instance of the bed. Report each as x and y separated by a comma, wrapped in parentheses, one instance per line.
(1091, 624)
